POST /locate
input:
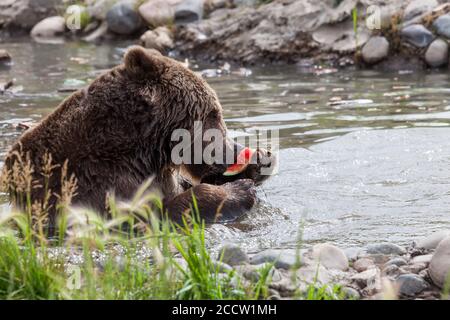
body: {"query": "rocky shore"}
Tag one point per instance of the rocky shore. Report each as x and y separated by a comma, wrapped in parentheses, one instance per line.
(420, 271)
(393, 35)
(378, 271)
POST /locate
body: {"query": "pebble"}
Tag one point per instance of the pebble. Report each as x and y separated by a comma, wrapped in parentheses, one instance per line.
(330, 256)
(442, 25)
(432, 241)
(232, 255)
(411, 284)
(282, 259)
(417, 35)
(157, 12)
(437, 53)
(363, 264)
(439, 269)
(352, 253)
(123, 19)
(398, 261)
(385, 249)
(49, 27)
(375, 50)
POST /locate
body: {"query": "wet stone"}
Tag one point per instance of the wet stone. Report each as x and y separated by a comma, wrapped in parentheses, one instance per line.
(232, 255)
(123, 19)
(442, 26)
(385, 249)
(411, 284)
(437, 53)
(417, 35)
(375, 50)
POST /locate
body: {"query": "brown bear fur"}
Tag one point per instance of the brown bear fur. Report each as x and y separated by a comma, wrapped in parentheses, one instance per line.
(116, 133)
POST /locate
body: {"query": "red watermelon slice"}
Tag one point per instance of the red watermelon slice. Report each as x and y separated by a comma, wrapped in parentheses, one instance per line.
(243, 160)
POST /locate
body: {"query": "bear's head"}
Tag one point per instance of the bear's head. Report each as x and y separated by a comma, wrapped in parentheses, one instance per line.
(182, 102)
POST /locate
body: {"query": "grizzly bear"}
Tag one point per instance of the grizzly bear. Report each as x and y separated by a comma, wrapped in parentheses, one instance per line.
(116, 133)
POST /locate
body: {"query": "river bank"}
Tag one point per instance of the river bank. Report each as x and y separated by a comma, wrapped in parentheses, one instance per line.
(367, 33)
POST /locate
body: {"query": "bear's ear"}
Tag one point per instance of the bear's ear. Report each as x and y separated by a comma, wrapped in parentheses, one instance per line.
(145, 63)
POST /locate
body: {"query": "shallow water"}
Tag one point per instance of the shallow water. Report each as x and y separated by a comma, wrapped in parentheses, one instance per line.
(365, 156)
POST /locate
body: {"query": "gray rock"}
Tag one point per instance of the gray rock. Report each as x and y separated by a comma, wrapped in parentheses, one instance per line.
(363, 264)
(385, 249)
(157, 12)
(422, 259)
(418, 7)
(411, 284)
(98, 9)
(330, 256)
(439, 268)
(189, 11)
(222, 267)
(351, 293)
(375, 50)
(442, 25)
(27, 13)
(49, 27)
(284, 259)
(233, 255)
(160, 39)
(432, 241)
(437, 53)
(123, 19)
(398, 261)
(417, 35)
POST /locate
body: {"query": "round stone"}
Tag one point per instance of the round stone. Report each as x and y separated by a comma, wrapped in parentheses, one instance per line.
(437, 53)
(417, 35)
(411, 284)
(439, 268)
(123, 19)
(363, 264)
(157, 12)
(330, 256)
(375, 50)
(385, 249)
(432, 241)
(49, 27)
(442, 25)
(232, 255)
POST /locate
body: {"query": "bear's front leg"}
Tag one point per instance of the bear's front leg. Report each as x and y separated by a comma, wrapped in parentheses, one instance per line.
(215, 203)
